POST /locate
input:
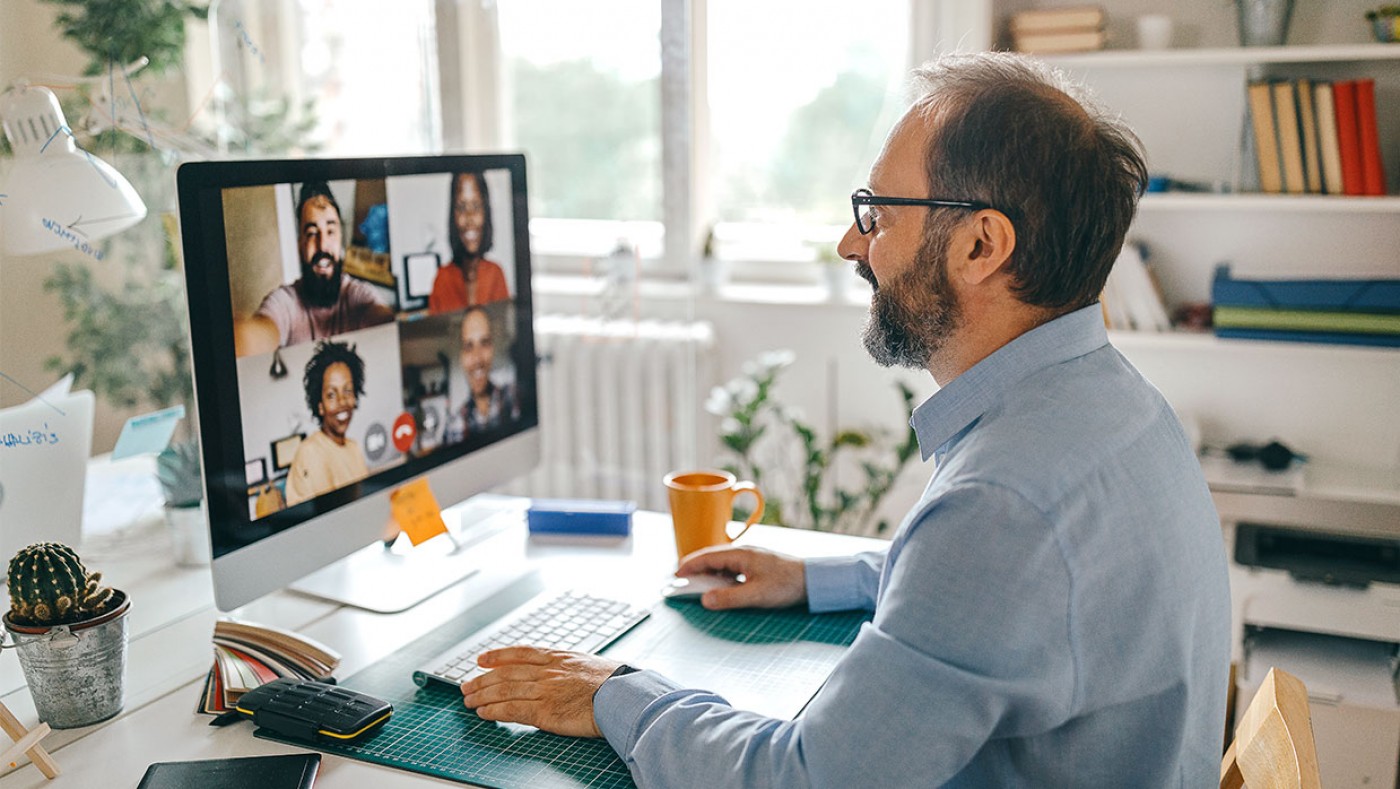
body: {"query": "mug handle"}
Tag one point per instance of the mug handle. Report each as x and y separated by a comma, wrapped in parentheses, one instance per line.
(745, 487)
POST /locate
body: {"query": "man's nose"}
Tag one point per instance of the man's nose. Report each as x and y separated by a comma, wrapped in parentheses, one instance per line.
(853, 245)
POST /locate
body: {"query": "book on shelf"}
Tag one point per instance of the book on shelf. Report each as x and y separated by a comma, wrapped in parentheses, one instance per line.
(247, 655)
(1348, 136)
(1046, 20)
(1227, 316)
(1368, 138)
(1328, 151)
(1060, 41)
(1359, 295)
(1323, 337)
(1290, 142)
(1049, 30)
(1266, 147)
(1132, 299)
(1316, 137)
(1308, 130)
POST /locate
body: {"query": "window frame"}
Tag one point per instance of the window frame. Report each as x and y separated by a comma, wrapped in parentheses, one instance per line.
(470, 65)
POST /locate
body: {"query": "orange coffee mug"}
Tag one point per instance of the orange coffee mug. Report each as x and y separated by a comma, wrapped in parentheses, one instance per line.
(702, 504)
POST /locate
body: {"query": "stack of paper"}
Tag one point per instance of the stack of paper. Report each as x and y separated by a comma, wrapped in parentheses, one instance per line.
(247, 655)
(1131, 298)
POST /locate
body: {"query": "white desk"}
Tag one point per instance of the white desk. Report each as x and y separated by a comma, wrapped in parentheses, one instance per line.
(173, 617)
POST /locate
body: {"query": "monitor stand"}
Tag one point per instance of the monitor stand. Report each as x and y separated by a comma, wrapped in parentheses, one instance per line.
(391, 578)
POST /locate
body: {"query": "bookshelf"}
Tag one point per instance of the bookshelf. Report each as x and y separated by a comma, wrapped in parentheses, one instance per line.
(1268, 203)
(1231, 56)
(1339, 404)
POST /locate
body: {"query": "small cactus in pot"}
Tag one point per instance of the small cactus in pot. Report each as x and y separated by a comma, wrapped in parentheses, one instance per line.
(71, 635)
(50, 586)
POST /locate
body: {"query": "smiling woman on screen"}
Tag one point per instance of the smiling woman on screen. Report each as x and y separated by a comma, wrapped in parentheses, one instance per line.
(328, 459)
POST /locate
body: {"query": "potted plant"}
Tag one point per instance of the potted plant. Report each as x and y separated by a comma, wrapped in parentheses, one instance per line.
(764, 436)
(836, 271)
(1385, 23)
(177, 468)
(71, 635)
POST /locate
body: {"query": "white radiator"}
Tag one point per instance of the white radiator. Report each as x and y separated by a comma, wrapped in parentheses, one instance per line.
(620, 407)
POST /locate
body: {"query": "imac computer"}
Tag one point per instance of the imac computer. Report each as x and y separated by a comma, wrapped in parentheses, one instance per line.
(356, 326)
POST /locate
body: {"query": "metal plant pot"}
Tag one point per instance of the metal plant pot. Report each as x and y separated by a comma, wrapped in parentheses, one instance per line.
(75, 672)
(1264, 23)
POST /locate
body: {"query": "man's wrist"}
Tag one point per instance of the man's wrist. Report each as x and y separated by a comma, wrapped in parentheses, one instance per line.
(621, 671)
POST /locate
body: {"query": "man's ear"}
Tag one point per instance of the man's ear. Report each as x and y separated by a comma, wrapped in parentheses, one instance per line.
(984, 244)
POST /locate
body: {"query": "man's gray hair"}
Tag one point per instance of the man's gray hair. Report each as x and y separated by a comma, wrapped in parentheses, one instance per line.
(1019, 135)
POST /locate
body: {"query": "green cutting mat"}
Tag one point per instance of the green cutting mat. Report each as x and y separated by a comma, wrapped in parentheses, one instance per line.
(767, 661)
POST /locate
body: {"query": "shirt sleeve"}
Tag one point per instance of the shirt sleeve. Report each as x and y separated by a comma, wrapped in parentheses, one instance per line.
(277, 307)
(362, 300)
(970, 642)
(843, 583)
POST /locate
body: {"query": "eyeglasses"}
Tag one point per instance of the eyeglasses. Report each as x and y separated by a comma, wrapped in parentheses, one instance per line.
(862, 200)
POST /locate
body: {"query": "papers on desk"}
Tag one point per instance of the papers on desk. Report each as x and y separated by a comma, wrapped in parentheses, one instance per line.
(1230, 476)
(247, 655)
(44, 447)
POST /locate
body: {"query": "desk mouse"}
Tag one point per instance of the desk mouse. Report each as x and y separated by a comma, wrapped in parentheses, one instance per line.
(693, 586)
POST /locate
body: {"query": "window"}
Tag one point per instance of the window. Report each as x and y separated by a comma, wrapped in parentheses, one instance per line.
(583, 102)
(789, 104)
(801, 93)
(340, 76)
(373, 74)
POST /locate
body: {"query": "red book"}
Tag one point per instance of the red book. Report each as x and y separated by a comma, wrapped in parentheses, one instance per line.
(1372, 173)
(1348, 136)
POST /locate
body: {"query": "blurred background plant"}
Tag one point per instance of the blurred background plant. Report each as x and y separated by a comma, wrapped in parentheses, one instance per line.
(797, 471)
(127, 338)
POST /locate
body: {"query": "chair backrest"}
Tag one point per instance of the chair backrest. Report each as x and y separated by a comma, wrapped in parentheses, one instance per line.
(1273, 747)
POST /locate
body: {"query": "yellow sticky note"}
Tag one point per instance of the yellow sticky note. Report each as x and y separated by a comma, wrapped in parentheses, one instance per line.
(416, 511)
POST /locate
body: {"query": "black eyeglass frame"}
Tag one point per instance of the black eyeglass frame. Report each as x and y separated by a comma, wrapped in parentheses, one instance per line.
(862, 197)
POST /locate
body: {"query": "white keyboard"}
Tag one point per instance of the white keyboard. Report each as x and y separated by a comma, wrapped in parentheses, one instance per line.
(572, 622)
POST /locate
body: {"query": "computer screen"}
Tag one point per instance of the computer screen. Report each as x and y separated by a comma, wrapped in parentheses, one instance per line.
(328, 374)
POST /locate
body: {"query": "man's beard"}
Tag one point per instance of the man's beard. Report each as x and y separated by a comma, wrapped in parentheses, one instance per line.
(318, 291)
(913, 314)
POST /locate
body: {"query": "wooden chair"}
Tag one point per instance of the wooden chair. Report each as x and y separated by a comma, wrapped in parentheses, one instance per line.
(1273, 747)
(26, 743)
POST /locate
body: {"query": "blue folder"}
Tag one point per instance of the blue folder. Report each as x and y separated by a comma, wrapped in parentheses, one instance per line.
(1330, 338)
(1356, 295)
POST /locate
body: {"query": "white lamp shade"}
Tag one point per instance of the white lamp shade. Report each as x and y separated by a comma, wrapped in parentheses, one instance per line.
(57, 196)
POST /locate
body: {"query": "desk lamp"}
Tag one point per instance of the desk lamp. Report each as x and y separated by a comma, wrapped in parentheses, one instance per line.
(57, 192)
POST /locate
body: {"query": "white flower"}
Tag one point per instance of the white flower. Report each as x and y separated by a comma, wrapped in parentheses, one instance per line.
(776, 360)
(730, 426)
(719, 402)
(744, 391)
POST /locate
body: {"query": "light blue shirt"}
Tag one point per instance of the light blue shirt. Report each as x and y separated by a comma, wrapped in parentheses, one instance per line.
(1053, 612)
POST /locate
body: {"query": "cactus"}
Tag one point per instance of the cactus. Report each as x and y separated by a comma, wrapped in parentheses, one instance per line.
(50, 586)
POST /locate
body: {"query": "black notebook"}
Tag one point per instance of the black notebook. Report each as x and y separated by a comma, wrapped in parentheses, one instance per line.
(297, 771)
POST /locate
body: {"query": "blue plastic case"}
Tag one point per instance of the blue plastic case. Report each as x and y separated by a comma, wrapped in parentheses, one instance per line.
(581, 517)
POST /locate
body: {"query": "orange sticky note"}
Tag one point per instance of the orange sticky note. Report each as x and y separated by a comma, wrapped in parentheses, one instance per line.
(416, 511)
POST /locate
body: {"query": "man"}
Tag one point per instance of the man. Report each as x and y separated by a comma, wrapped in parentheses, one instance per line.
(471, 279)
(328, 459)
(488, 404)
(323, 302)
(1054, 611)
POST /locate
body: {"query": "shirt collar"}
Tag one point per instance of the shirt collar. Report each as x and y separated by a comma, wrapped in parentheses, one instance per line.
(952, 408)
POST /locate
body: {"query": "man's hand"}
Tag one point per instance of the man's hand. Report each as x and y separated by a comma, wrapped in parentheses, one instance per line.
(544, 688)
(771, 580)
